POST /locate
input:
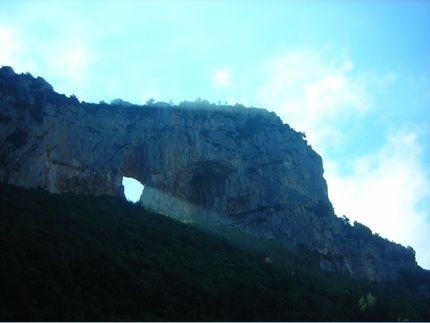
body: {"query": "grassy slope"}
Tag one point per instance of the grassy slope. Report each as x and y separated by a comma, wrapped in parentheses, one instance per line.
(76, 257)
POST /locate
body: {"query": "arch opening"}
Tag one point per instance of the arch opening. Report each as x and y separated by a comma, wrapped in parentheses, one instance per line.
(132, 189)
(134, 173)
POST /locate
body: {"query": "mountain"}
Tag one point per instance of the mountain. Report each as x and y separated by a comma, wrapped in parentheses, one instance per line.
(215, 165)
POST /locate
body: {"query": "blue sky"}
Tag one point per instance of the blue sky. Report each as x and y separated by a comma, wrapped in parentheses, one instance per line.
(353, 75)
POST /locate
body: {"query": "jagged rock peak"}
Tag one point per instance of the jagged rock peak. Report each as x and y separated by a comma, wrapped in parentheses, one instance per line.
(229, 164)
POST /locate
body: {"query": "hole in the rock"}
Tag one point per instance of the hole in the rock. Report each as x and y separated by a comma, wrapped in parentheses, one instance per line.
(132, 189)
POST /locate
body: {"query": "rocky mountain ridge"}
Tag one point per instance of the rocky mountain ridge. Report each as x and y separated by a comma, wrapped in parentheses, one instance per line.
(229, 165)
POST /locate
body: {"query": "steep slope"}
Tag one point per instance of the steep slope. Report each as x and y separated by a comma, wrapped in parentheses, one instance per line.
(225, 165)
(75, 257)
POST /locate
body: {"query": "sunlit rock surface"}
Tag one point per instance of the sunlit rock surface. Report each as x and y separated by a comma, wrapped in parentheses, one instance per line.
(230, 164)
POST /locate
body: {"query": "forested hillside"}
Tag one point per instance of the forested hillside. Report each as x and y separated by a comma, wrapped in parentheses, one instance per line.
(78, 257)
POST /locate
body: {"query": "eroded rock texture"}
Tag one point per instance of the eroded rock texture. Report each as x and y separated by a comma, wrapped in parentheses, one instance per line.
(239, 166)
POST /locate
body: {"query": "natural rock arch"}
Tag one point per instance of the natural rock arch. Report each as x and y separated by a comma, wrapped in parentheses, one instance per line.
(238, 166)
(229, 161)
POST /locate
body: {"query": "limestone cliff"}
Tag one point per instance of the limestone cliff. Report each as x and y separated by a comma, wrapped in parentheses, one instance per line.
(238, 166)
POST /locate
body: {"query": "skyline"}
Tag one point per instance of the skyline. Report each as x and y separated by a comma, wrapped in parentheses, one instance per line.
(353, 76)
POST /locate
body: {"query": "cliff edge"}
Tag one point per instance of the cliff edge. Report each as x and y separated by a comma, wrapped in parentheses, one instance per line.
(233, 165)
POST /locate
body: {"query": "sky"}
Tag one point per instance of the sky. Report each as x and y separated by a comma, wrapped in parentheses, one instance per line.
(353, 75)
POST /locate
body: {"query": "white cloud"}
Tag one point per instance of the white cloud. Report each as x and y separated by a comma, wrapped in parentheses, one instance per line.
(72, 58)
(222, 78)
(313, 93)
(8, 46)
(14, 50)
(223, 81)
(385, 190)
(346, 63)
(43, 41)
(386, 81)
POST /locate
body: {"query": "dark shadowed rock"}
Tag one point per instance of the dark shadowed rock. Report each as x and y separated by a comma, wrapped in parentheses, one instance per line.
(229, 164)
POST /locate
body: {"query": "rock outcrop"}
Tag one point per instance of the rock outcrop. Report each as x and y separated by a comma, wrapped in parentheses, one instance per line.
(240, 166)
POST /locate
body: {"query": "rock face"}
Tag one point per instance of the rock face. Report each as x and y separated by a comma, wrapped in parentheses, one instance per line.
(240, 166)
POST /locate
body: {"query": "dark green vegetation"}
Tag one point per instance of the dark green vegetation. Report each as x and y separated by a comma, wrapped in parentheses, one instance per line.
(78, 257)
(26, 93)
